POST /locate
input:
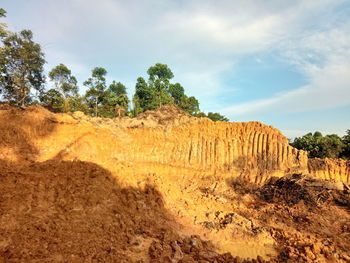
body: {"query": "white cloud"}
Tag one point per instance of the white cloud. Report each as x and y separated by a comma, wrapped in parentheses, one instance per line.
(324, 58)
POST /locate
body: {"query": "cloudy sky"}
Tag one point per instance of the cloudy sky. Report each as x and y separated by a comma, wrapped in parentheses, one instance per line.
(285, 63)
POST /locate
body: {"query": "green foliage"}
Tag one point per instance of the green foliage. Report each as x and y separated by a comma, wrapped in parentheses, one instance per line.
(65, 95)
(346, 150)
(117, 88)
(159, 91)
(115, 100)
(159, 81)
(3, 26)
(145, 97)
(200, 115)
(53, 100)
(21, 67)
(65, 83)
(21, 72)
(2, 12)
(103, 101)
(190, 105)
(319, 146)
(214, 116)
(160, 72)
(177, 92)
(96, 85)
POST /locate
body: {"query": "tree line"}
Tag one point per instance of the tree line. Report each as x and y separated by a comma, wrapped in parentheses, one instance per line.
(328, 146)
(23, 82)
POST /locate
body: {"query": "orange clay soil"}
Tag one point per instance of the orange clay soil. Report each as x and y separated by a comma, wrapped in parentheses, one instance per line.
(163, 187)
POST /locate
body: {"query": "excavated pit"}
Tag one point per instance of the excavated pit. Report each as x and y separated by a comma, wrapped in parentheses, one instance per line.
(164, 187)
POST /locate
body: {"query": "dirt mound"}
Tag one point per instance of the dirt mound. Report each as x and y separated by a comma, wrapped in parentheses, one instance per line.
(160, 188)
(294, 188)
(308, 218)
(163, 115)
(60, 211)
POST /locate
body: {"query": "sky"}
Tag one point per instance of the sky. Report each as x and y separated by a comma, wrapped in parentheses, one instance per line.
(284, 63)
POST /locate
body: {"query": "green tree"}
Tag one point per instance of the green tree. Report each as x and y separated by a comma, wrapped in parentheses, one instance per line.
(21, 67)
(309, 143)
(331, 146)
(177, 92)
(77, 103)
(159, 80)
(319, 146)
(214, 116)
(200, 115)
(159, 91)
(346, 150)
(190, 105)
(96, 85)
(65, 84)
(115, 101)
(53, 100)
(3, 26)
(117, 88)
(144, 98)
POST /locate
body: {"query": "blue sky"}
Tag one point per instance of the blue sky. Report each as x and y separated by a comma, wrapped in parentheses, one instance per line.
(285, 63)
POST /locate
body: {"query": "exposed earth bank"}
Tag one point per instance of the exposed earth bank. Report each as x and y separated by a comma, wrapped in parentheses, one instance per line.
(164, 187)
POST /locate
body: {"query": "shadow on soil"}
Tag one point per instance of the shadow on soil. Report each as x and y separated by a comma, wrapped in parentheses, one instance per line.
(74, 211)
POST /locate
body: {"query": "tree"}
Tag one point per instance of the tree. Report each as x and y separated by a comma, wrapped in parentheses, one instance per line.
(214, 116)
(160, 72)
(118, 91)
(190, 105)
(159, 91)
(21, 67)
(96, 85)
(159, 80)
(53, 100)
(117, 88)
(319, 146)
(3, 26)
(115, 100)
(65, 84)
(144, 98)
(200, 115)
(346, 141)
(177, 92)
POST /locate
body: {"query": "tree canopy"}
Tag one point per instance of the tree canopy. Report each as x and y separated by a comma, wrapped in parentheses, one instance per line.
(64, 97)
(160, 91)
(96, 85)
(319, 146)
(22, 82)
(3, 26)
(214, 116)
(21, 67)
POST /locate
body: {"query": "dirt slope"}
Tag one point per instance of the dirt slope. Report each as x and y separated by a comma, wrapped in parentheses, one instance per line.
(163, 187)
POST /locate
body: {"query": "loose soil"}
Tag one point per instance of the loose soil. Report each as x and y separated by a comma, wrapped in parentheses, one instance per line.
(60, 210)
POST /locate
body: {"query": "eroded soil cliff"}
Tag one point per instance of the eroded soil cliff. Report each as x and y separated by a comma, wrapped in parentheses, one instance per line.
(164, 187)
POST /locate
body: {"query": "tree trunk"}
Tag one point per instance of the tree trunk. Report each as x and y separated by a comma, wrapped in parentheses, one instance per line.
(24, 92)
(96, 106)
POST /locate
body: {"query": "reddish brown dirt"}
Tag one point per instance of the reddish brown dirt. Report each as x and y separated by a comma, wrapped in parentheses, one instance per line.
(309, 218)
(61, 210)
